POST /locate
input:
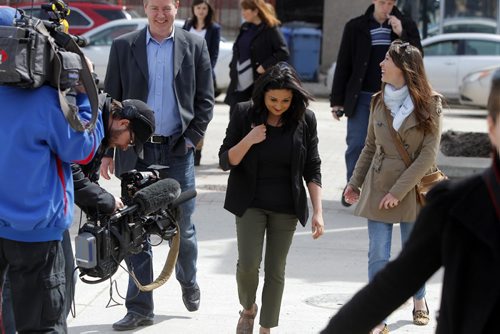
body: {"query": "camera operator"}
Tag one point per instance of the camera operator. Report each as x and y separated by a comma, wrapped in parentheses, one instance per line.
(126, 124)
(37, 200)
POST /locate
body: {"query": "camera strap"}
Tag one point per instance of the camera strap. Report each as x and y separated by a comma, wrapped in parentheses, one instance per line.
(70, 111)
(168, 267)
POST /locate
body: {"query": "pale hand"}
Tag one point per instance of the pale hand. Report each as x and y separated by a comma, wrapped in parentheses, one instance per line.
(118, 203)
(107, 167)
(317, 226)
(256, 135)
(396, 25)
(351, 196)
(388, 202)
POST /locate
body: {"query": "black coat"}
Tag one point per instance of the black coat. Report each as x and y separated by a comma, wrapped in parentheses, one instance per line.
(459, 229)
(127, 77)
(89, 196)
(212, 37)
(354, 56)
(242, 182)
(268, 47)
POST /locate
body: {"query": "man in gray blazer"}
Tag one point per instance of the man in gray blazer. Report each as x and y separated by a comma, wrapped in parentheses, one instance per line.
(170, 70)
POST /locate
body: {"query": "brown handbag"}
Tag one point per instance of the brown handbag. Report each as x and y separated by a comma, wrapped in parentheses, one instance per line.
(428, 181)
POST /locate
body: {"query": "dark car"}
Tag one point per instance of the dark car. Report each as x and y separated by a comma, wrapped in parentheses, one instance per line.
(83, 16)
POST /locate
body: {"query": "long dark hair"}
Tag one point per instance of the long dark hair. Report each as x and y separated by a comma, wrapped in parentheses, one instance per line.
(280, 76)
(409, 60)
(209, 19)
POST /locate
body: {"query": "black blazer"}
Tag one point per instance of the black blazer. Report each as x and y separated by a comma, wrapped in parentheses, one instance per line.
(127, 78)
(458, 229)
(242, 182)
(354, 56)
(212, 37)
(268, 47)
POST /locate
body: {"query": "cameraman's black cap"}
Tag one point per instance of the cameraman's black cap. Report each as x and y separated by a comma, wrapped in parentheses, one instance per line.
(142, 122)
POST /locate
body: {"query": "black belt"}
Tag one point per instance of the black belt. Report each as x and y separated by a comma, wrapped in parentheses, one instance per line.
(155, 139)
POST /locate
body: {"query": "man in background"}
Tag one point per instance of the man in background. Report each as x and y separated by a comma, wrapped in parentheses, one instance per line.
(365, 41)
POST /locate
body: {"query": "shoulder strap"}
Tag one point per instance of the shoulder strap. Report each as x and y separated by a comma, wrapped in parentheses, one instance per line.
(399, 146)
(71, 111)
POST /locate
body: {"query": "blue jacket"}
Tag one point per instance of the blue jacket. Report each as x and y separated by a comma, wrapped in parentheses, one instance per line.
(38, 145)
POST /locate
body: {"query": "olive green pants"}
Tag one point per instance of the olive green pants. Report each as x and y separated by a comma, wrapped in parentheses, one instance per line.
(278, 230)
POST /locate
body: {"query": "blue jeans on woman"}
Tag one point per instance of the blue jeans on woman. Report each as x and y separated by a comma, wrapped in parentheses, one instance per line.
(379, 250)
(181, 168)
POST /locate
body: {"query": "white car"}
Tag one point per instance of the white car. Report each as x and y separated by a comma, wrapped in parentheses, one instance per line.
(475, 87)
(100, 39)
(448, 58)
(465, 24)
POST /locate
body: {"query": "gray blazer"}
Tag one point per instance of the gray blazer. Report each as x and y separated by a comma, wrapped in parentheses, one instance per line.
(127, 78)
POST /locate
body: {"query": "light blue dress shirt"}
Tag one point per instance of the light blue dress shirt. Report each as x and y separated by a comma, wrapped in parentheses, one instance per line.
(161, 96)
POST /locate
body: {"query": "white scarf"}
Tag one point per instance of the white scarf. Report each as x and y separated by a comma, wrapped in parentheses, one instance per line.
(399, 103)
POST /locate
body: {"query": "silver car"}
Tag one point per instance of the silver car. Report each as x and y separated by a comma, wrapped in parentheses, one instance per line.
(100, 39)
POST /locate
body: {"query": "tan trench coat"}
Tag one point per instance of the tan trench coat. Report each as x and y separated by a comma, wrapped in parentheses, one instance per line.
(380, 169)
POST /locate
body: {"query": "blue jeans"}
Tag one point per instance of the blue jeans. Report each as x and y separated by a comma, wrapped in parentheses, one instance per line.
(379, 250)
(357, 126)
(182, 170)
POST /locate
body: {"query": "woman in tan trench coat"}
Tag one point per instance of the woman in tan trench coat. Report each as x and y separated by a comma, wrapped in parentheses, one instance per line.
(381, 183)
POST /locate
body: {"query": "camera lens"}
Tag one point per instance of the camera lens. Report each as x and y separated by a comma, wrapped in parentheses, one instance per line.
(339, 112)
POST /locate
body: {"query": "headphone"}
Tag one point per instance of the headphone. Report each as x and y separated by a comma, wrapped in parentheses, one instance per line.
(129, 111)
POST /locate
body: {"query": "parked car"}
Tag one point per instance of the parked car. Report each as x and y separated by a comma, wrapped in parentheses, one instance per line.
(448, 58)
(465, 24)
(83, 16)
(475, 87)
(100, 40)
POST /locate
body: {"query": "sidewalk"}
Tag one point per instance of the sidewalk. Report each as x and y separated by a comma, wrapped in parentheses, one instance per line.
(321, 274)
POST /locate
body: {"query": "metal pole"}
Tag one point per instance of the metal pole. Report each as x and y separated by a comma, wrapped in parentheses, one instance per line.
(441, 15)
(425, 18)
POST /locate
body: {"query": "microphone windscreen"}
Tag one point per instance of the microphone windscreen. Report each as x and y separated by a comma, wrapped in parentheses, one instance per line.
(157, 195)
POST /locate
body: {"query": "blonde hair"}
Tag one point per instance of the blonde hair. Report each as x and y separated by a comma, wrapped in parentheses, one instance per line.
(266, 14)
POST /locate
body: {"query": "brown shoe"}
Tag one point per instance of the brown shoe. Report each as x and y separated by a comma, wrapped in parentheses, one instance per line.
(384, 330)
(245, 323)
(421, 317)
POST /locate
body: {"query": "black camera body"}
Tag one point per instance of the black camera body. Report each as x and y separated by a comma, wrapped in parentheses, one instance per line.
(105, 240)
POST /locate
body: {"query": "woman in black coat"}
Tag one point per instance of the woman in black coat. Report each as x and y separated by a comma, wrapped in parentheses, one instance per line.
(258, 46)
(202, 23)
(458, 229)
(271, 147)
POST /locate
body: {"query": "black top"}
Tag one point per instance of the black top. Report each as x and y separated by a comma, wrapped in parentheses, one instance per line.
(274, 181)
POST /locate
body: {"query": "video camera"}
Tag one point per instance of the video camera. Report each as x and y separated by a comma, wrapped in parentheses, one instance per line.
(151, 208)
(35, 52)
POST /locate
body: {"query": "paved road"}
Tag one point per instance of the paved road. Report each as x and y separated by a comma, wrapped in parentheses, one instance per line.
(321, 274)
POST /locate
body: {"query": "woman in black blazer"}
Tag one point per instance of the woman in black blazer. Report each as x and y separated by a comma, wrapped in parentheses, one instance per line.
(271, 147)
(202, 23)
(258, 46)
(459, 230)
